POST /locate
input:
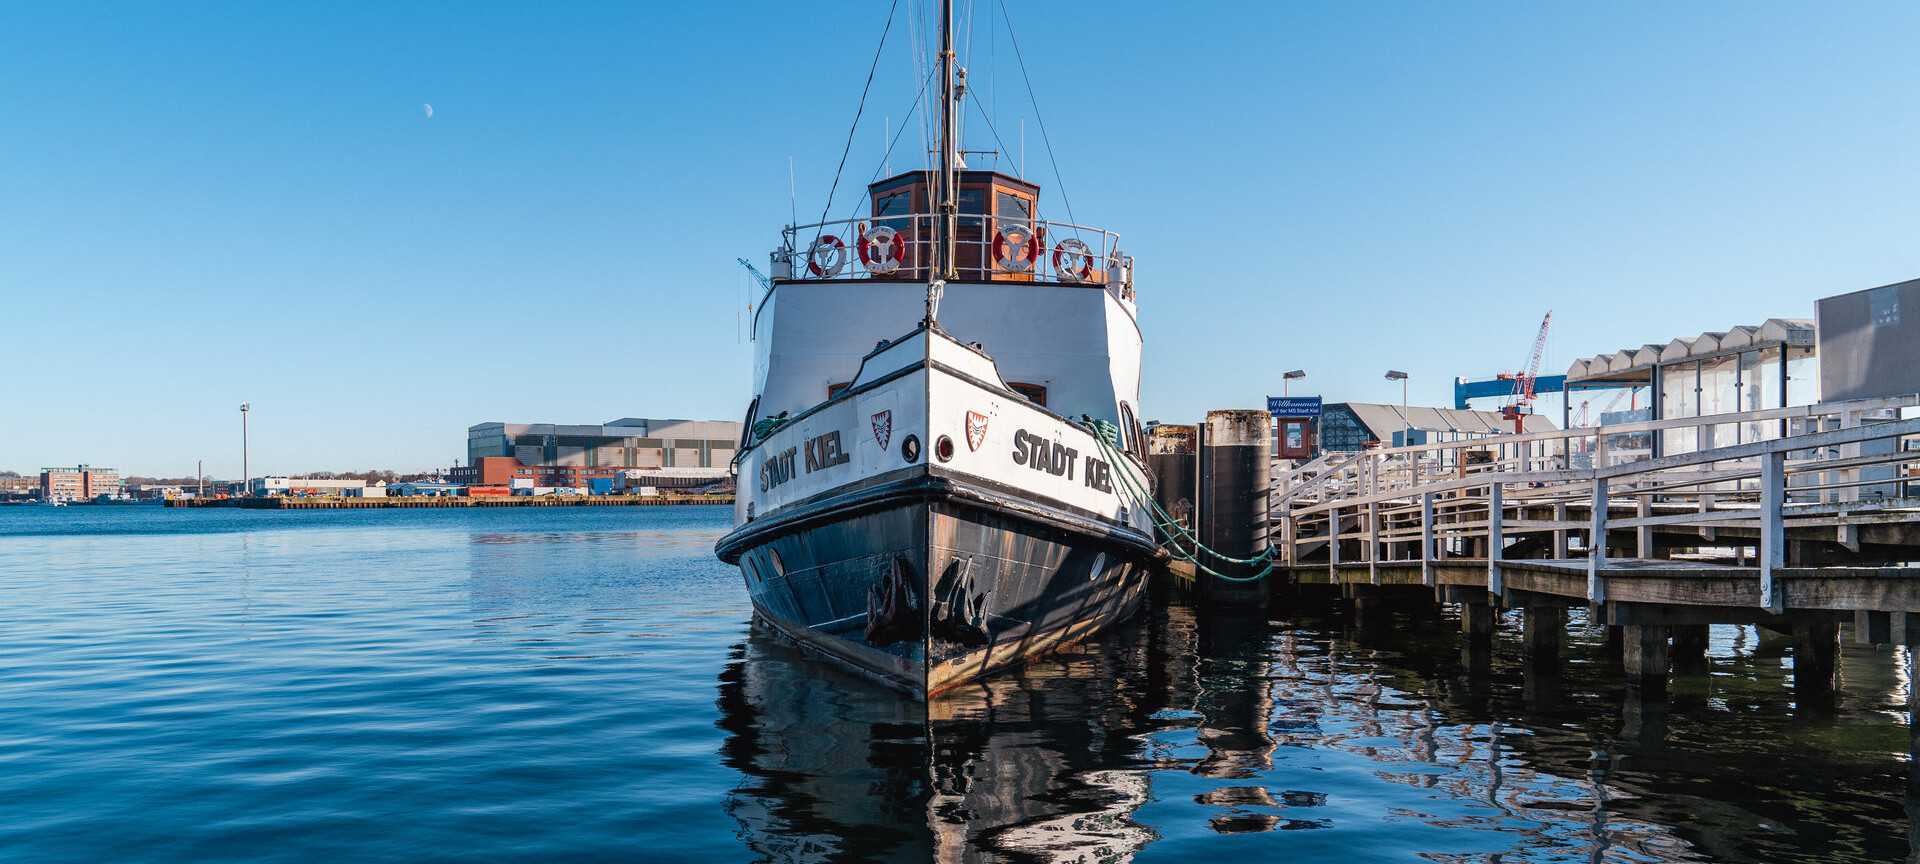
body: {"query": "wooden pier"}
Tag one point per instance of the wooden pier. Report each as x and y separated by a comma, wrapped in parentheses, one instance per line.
(428, 501)
(1804, 519)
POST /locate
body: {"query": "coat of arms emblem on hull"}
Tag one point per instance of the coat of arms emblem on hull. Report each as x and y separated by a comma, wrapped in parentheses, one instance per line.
(883, 428)
(976, 430)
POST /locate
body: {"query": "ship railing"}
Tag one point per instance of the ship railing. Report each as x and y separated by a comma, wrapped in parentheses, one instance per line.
(987, 249)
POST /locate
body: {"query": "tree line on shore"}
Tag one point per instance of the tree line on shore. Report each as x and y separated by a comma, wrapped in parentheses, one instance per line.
(371, 476)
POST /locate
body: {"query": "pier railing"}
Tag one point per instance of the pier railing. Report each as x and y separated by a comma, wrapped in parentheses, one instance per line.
(987, 248)
(1832, 468)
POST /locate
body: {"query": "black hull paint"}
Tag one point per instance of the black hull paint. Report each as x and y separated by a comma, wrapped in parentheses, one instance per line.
(988, 583)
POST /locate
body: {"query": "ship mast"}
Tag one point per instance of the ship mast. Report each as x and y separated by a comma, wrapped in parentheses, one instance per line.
(949, 156)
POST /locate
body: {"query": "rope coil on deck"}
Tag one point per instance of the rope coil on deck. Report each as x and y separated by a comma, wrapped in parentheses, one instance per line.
(1107, 435)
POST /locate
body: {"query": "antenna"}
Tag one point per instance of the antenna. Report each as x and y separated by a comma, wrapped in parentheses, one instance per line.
(793, 205)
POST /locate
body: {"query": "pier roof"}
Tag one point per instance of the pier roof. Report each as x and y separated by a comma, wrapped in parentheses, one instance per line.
(1635, 365)
(1384, 420)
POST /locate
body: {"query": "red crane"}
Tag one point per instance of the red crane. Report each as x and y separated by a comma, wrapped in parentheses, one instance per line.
(1522, 404)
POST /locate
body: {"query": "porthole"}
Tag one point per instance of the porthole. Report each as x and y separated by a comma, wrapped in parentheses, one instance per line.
(1099, 565)
(779, 566)
(943, 448)
(910, 449)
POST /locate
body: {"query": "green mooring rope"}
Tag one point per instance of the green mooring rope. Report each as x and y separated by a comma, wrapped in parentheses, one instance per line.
(1165, 521)
(765, 425)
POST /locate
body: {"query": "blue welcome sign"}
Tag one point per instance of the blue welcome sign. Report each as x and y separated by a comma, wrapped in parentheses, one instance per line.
(1293, 406)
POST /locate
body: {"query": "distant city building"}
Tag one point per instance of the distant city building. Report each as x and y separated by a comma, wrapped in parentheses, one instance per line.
(683, 452)
(157, 491)
(303, 486)
(424, 487)
(19, 487)
(79, 483)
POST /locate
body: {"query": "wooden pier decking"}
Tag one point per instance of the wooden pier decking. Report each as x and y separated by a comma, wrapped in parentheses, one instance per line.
(1802, 520)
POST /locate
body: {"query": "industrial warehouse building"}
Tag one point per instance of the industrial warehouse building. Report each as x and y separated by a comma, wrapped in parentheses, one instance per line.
(1349, 426)
(302, 486)
(678, 452)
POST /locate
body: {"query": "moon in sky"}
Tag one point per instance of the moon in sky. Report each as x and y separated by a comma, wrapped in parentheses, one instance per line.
(428, 107)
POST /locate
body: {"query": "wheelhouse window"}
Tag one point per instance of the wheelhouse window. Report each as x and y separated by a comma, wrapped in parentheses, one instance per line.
(897, 204)
(1012, 208)
(971, 202)
(891, 210)
(1032, 392)
(834, 390)
(894, 209)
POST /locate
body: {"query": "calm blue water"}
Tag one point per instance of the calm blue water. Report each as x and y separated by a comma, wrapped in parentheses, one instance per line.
(584, 684)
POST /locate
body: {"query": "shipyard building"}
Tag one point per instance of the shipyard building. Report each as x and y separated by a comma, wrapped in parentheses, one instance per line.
(668, 452)
(1349, 426)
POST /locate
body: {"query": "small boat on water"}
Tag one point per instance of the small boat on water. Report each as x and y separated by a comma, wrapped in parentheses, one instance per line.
(943, 471)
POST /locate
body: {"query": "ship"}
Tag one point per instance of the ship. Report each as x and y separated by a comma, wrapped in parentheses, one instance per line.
(942, 472)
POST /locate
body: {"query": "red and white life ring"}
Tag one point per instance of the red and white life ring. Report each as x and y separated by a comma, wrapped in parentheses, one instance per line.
(827, 256)
(1007, 243)
(882, 250)
(1072, 260)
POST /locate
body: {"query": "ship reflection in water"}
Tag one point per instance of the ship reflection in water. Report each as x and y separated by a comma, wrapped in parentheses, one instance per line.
(1299, 739)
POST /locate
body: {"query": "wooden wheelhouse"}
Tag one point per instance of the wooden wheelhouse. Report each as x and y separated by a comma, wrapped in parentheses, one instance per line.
(991, 204)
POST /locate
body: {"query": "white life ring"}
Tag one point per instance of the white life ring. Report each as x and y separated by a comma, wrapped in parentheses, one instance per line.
(1004, 245)
(882, 250)
(1072, 260)
(827, 248)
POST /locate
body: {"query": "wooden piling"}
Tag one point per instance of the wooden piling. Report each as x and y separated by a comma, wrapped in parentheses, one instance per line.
(1646, 658)
(1690, 648)
(1816, 666)
(1477, 623)
(1543, 627)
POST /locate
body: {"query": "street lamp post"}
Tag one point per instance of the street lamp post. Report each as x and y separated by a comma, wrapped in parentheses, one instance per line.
(246, 475)
(1406, 436)
(1287, 379)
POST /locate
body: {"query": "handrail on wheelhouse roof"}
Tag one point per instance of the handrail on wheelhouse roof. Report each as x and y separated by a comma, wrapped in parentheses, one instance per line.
(968, 180)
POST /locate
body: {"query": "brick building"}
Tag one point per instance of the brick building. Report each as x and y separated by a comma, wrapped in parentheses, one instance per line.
(79, 483)
(19, 487)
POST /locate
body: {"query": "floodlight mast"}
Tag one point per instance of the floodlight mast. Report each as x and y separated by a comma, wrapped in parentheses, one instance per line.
(1286, 379)
(1406, 436)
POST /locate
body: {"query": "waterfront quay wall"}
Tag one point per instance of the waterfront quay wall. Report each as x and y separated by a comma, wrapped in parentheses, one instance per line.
(339, 503)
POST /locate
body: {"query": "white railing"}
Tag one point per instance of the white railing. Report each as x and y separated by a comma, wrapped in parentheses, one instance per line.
(987, 248)
(1838, 466)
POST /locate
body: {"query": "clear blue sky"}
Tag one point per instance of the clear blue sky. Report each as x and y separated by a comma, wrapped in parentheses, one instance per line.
(206, 204)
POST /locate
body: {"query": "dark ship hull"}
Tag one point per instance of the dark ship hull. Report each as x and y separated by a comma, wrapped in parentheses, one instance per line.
(929, 581)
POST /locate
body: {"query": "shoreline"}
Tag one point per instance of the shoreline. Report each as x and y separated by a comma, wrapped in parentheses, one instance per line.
(417, 501)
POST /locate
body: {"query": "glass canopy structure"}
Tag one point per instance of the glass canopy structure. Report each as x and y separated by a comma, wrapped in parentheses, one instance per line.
(1744, 368)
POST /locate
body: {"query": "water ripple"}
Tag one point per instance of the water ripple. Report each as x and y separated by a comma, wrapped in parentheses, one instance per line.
(509, 685)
